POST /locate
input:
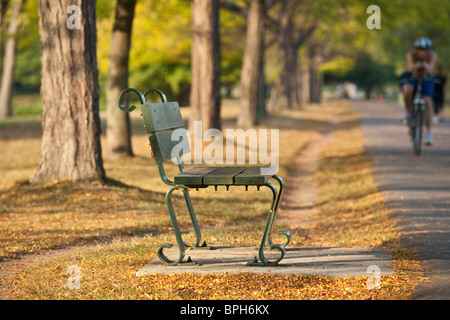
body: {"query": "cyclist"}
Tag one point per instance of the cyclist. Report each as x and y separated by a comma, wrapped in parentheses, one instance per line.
(420, 62)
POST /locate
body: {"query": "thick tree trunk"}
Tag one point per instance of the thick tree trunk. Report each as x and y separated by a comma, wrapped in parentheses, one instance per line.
(10, 60)
(205, 59)
(69, 90)
(251, 66)
(118, 135)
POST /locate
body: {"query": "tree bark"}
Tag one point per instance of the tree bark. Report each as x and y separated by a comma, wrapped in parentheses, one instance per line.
(3, 7)
(71, 147)
(10, 61)
(303, 79)
(318, 53)
(261, 104)
(282, 94)
(205, 59)
(287, 89)
(251, 66)
(315, 84)
(118, 133)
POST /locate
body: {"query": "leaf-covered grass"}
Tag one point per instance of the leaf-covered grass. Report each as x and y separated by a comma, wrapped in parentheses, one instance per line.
(109, 273)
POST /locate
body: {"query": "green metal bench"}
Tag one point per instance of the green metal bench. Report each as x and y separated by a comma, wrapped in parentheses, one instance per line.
(160, 121)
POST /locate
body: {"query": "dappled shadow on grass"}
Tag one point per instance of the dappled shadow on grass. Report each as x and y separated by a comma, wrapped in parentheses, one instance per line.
(344, 173)
(289, 123)
(35, 218)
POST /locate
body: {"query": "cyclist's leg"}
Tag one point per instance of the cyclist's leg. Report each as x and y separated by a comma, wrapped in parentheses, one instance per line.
(407, 87)
(407, 90)
(408, 93)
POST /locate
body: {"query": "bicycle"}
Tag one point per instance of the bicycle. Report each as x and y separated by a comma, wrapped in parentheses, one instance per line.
(418, 115)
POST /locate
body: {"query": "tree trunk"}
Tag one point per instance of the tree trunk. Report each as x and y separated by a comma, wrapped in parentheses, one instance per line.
(205, 57)
(274, 93)
(285, 99)
(286, 87)
(261, 105)
(316, 58)
(69, 90)
(3, 7)
(251, 66)
(10, 61)
(316, 83)
(118, 134)
(303, 80)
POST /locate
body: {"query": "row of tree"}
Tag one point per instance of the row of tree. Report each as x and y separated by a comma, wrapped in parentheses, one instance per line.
(284, 45)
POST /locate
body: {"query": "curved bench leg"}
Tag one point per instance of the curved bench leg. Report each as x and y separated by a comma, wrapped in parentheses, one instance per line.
(198, 235)
(287, 234)
(187, 198)
(177, 231)
(266, 234)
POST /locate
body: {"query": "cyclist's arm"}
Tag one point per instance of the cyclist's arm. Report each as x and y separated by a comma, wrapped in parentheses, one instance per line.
(409, 62)
(432, 63)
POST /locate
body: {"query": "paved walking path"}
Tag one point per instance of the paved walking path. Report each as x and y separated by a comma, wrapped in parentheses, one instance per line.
(416, 189)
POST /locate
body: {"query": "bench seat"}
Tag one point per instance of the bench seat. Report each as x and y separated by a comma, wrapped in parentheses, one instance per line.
(199, 177)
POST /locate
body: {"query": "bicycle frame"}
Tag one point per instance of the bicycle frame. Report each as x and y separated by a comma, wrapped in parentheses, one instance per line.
(417, 118)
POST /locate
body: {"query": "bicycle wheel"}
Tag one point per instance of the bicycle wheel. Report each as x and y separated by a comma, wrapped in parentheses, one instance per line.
(417, 133)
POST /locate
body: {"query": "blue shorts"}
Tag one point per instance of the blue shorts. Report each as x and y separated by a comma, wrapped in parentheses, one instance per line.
(427, 85)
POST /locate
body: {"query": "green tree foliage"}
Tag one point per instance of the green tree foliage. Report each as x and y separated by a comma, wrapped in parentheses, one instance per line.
(160, 46)
(404, 21)
(160, 53)
(370, 74)
(27, 71)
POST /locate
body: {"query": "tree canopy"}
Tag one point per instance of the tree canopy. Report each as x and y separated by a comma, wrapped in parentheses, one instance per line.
(161, 42)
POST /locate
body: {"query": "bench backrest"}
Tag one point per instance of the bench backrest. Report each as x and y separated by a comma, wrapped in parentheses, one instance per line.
(161, 120)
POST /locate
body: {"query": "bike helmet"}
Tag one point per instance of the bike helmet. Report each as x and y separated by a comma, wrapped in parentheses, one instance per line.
(423, 43)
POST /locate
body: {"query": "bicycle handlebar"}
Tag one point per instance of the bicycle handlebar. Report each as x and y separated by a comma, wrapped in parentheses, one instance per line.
(427, 78)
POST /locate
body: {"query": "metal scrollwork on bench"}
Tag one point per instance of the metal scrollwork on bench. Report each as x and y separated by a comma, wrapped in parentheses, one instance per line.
(123, 95)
